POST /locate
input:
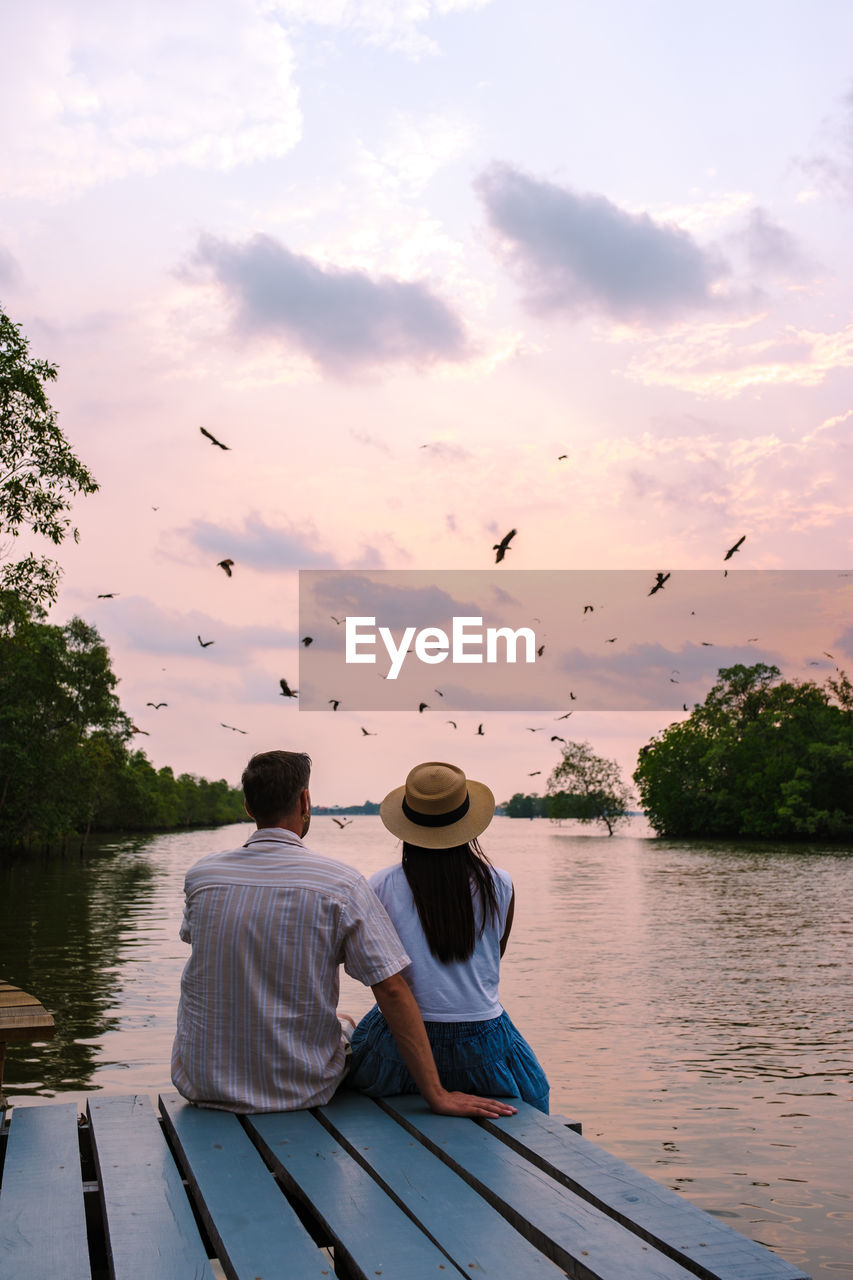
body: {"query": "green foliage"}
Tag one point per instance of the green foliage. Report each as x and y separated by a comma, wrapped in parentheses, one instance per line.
(761, 758)
(65, 767)
(588, 788)
(522, 806)
(39, 473)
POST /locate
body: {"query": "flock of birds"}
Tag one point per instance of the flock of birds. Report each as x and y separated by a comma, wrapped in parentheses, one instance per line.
(500, 549)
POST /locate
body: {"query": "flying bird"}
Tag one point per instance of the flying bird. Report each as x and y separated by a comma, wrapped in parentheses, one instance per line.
(503, 546)
(213, 439)
(661, 579)
(589, 608)
(438, 691)
(342, 824)
(566, 716)
(555, 737)
(286, 691)
(133, 729)
(306, 640)
(479, 731)
(423, 706)
(108, 595)
(535, 773)
(205, 644)
(612, 640)
(453, 722)
(366, 734)
(156, 705)
(540, 651)
(226, 565)
(560, 458)
(709, 644)
(529, 730)
(335, 703)
(233, 727)
(334, 619)
(736, 547)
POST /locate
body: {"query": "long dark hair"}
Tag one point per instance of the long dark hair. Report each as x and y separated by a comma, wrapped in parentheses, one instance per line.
(441, 882)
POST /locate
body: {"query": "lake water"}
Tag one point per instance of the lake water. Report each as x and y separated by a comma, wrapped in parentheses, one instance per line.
(691, 1003)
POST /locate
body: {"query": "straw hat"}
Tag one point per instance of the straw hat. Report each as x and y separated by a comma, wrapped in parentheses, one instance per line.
(438, 807)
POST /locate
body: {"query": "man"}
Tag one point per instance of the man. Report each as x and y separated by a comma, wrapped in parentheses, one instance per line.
(269, 924)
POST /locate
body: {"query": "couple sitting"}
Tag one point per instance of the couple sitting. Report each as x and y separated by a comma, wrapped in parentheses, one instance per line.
(270, 923)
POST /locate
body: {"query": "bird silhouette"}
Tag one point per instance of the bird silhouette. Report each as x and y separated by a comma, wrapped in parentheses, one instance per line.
(540, 651)
(560, 458)
(335, 703)
(709, 644)
(226, 565)
(438, 691)
(684, 706)
(453, 722)
(503, 546)
(661, 579)
(423, 706)
(555, 737)
(589, 608)
(566, 716)
(213, 439)
(735, 548)
(612, 640)
(535, 773)
(334, 619)
(529, 730)
(133, 729)
(286, 691)
(341, 823)
(108, 595)
(233, 728)
(368, 735)
(479, 731)
(156, 705)
(306, 640)
(205, 644)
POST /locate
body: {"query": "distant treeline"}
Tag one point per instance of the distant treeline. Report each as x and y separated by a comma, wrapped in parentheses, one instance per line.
(559, 805)
(66, 766)
(344, 810)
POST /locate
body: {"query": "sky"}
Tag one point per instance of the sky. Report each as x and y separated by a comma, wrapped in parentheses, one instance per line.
(432, 270)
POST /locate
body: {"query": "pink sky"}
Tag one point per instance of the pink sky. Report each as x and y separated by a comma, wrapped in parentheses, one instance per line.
(335, 233)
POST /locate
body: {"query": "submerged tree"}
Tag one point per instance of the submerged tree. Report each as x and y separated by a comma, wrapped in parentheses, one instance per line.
(588, 788)
(39, 472)
(762, 757)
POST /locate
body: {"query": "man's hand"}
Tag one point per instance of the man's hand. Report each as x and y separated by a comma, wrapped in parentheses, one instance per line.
(465, 1104)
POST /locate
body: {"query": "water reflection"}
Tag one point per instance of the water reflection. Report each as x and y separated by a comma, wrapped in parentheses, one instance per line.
(690, 1002)
(63, 923)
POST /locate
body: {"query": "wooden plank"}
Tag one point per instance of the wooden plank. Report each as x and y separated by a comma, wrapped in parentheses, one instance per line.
(711, 1248)
(371, 1234)
(22, 1017)
(42, 1216)
(452, 1214)
(584, 1241)
(149, 1224)
(253, 1228)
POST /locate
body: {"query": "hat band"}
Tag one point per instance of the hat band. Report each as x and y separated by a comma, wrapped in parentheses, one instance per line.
(437, 819)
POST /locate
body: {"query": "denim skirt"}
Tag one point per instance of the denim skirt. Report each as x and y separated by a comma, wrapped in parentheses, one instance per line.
(490, 1059)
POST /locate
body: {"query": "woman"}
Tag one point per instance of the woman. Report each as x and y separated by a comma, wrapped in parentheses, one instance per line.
(453, 911)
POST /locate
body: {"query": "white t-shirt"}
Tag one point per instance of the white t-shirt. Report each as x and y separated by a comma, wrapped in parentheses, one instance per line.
(463, 990)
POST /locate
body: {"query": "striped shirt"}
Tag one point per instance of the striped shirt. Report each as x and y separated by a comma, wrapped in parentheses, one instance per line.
(269, 924)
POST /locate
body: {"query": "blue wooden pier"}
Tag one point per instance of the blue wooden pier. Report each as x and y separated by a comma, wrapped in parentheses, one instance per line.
(356, 1189)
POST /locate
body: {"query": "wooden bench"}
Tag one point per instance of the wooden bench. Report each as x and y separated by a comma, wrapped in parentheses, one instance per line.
(356, 1189)
(21, 1018)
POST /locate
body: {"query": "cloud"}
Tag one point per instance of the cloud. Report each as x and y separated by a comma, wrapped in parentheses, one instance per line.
(770, 248)
(10, 272)
(270, 549)
(575, 252)
(146, 627)
(344, 319)
(713, 360)
(392, 24)
(108, 91)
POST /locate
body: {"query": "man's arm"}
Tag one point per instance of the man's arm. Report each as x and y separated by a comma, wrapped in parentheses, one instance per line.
(400, 1011)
